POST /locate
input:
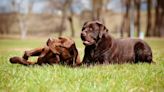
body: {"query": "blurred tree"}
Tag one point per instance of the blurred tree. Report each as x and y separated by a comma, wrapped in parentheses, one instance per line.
(156, 24)
(137, 17)
(125, 26)
(6, 22)
(65, 6)
(149, 19)
(22, 17)
(97, 6)
(70, 18)
(98, 9)
(159, 18)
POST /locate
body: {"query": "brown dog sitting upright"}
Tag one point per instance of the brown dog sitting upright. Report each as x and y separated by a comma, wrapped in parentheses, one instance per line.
(101, 48)
(57, 51)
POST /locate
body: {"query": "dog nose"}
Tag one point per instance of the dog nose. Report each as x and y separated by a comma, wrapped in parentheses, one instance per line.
(83, 35)
(49, 40)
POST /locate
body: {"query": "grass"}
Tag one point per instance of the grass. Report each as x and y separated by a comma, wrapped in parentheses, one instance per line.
(108, 78)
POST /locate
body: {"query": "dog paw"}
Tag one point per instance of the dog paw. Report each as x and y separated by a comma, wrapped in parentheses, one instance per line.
(25, 56)
(15, 60)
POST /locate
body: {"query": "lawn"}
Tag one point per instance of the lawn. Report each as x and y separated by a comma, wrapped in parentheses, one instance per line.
(108, 78)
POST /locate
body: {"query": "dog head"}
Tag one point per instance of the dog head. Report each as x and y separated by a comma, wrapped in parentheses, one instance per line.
(60, 46)
(92, 31)
(65, 48)
(54, 45)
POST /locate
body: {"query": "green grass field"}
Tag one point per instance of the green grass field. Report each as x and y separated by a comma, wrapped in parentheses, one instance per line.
(108, 78)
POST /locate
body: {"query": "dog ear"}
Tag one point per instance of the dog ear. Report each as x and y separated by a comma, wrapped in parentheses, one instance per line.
(54, 44)
(49, 41)
(102, 29)
(66, 42)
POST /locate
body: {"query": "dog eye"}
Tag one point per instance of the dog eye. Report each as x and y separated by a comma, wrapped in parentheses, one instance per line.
(90, 29)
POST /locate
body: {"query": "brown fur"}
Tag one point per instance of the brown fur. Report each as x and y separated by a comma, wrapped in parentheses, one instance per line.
(101, 48)
(57, 51)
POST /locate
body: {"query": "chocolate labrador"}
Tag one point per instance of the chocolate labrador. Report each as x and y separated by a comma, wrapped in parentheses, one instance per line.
(57, 51)
(101, 48)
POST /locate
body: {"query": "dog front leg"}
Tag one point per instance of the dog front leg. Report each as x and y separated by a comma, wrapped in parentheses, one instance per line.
(34, 52)
(42, 57)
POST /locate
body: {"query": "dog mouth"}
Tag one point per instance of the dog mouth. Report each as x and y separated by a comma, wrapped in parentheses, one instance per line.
(86, 42)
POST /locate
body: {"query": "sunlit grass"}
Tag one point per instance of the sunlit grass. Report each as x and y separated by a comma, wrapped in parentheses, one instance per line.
(56, 78)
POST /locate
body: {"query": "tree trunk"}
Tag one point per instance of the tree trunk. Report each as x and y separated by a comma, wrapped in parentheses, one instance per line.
(66, 7)
(23, 26)
(137, 19)
(71, 25)
(149, 26)
(159, 18)
(97, 10)
(126, 19)
(156, 25)
(63, 22)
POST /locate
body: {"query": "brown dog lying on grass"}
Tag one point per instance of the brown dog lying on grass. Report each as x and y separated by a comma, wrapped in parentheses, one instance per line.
(101, 48)
(57, 51)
